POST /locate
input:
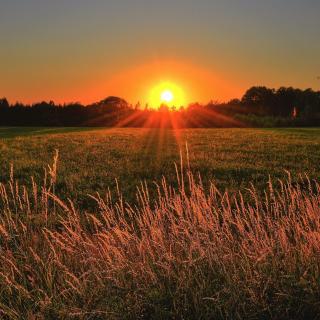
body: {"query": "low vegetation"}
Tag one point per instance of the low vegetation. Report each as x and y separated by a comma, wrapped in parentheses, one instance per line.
(189, 253)
(112, 229)
(91, 160)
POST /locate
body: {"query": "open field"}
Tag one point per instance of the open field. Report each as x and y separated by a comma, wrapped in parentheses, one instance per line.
(182, 249)
(91, 159)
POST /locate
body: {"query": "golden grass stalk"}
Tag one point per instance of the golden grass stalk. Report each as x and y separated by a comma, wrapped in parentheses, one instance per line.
(189, 253)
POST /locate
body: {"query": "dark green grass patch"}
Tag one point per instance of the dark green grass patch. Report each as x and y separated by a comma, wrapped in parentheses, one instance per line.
(90, 160)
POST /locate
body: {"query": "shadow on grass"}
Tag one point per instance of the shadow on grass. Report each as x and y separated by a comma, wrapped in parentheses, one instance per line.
(15, 132)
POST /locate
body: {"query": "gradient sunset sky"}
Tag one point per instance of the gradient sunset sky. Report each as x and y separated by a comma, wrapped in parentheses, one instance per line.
(81, 50)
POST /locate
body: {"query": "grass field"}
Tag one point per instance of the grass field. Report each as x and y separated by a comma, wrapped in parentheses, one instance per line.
(90, 160)
(184, 248)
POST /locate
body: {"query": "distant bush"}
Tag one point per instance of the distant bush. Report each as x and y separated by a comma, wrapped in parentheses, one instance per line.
(265, 121)
(252, 120)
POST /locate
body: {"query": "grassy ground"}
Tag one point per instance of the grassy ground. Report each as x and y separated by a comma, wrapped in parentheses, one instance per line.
(91, 159)
(192, 252)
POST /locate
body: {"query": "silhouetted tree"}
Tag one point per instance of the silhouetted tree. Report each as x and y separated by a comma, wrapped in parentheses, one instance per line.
(287, 99)
(284, 106)
(4, 104)
(261, 98)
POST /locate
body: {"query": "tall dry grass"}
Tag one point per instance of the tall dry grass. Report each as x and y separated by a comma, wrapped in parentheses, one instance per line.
(189, 254)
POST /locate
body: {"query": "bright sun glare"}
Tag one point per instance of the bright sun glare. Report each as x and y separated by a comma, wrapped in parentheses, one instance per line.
(167, 93)
(167, 96)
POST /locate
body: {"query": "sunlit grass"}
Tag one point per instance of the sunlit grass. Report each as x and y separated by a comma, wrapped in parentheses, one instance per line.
(91, 159)
(187, 253)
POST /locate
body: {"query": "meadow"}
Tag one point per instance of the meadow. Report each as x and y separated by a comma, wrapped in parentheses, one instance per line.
(91, 160)
(157, 224)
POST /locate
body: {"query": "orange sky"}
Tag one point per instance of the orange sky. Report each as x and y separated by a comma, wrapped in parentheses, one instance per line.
(79, 50)
(136, 84)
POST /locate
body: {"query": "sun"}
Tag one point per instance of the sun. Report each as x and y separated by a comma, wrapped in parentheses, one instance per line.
(167, 96)
(167, 93)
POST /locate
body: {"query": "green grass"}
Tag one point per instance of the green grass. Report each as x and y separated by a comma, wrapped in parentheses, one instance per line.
(188, 252)
(92, 159)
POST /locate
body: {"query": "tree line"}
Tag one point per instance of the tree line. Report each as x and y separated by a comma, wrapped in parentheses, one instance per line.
(259, 106)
